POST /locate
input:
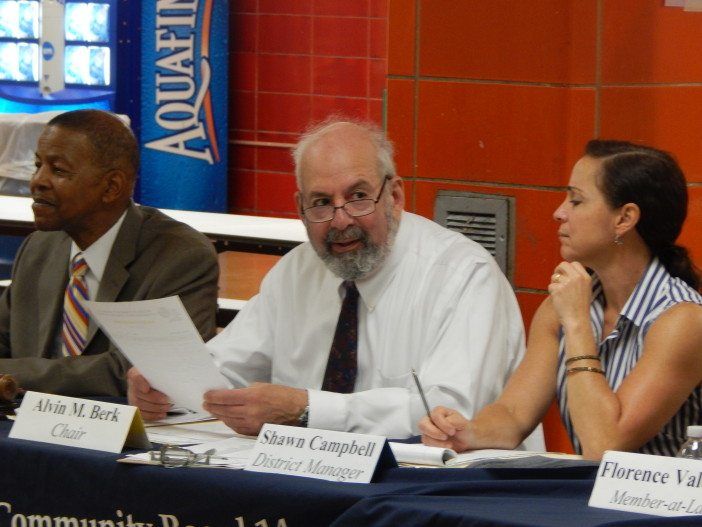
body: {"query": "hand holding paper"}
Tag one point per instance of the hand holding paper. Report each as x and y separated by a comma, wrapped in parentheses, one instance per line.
(158, 337)
(246, 410)
(154, 405)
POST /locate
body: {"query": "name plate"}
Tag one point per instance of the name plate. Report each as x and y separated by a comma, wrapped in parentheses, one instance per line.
(320, 454)
(658, 485)
(77, 422)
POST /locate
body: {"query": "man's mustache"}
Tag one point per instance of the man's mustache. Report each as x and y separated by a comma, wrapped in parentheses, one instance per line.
(348, 234)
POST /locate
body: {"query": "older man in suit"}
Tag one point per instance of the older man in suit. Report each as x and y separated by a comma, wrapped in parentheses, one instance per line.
(93, 243)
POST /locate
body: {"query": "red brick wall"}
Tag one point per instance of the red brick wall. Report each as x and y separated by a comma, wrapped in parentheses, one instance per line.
(501, 96)
(293, 61)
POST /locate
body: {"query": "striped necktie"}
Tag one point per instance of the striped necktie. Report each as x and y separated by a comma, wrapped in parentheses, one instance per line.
(74, 330)
(342, 367)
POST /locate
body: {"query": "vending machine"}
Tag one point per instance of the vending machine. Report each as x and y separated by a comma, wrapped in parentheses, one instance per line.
(163, 63)
(57, 55)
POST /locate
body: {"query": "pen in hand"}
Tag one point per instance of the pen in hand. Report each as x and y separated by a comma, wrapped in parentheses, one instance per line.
(421, 393)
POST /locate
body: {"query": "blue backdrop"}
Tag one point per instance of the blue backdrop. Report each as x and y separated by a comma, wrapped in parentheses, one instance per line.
(184, 59)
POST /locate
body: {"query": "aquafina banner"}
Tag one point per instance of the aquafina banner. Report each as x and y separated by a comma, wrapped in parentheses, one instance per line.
(184, 104)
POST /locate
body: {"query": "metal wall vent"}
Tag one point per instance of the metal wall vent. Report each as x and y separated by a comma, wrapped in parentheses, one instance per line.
(485, 218)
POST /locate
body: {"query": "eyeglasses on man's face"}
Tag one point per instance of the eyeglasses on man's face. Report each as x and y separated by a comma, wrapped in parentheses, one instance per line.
(353, 207)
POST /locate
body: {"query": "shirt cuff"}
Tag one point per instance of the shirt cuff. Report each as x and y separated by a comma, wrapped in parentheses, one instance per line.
(327, 410)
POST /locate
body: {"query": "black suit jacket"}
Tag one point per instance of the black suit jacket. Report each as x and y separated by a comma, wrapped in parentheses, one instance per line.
(153, 256)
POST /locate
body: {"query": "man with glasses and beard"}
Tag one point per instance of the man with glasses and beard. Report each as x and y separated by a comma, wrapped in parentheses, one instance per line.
(340, 322)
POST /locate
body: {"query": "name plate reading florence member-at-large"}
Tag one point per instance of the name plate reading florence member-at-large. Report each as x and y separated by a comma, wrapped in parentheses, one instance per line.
(77, 422)
(663, 486)
(320, 454)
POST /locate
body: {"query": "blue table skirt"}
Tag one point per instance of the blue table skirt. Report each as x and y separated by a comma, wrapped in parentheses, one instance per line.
(45, 482)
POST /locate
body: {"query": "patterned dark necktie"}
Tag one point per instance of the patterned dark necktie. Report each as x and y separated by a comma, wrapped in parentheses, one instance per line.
(342, 366)
(74, 329)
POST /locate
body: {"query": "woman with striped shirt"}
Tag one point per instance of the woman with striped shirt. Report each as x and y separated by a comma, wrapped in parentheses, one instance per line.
(619, 339)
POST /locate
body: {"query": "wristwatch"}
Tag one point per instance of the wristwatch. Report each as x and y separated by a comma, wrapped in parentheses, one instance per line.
(304, 417)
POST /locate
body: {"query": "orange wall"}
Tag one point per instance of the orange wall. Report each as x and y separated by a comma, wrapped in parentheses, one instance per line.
(501, 96)
(293, 61)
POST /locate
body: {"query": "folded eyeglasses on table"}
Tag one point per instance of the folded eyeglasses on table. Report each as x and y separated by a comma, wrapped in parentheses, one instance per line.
(171, 456)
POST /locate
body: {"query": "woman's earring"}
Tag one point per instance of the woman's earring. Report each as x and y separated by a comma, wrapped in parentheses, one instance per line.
(618, 240)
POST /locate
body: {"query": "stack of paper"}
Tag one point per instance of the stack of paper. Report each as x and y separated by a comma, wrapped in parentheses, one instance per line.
(419, 455)
(160, 339)
(232, 452)
(189, 433)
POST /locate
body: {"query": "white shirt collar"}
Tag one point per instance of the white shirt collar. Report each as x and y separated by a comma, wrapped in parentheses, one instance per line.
(97, 254)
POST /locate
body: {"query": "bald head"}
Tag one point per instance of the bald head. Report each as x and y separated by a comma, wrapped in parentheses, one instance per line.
(334, 142)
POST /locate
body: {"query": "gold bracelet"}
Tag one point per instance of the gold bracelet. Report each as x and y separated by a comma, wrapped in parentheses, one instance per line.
(582, 357)
(584, 368)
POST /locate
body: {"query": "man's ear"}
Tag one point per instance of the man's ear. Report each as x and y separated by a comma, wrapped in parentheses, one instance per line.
(629, 215)
(398, 192)
(118, 184)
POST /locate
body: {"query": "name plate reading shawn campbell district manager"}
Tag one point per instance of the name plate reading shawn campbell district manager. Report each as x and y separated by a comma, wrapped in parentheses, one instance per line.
(320, 454)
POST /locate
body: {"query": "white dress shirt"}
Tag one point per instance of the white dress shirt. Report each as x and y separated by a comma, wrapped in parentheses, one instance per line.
(96, 256)
(438, 304)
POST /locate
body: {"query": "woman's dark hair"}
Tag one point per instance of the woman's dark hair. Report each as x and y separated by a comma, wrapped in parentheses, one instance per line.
(651, 179)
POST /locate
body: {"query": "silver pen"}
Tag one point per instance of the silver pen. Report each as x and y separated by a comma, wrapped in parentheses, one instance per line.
(421, 392)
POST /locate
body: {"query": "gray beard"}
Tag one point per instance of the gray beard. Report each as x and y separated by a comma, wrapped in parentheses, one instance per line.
(361, 262)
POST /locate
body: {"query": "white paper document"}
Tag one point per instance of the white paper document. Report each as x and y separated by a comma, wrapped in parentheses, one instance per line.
(180, 416)
(158, 337)
(236, 450)
(419, 454)
(422, 455)
(189, 433)
(232, 451)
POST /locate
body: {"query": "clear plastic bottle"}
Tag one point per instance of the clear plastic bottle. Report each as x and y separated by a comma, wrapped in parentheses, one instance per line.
(692, 448)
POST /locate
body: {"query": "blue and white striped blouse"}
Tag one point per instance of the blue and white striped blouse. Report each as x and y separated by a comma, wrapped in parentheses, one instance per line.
(620, 350)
